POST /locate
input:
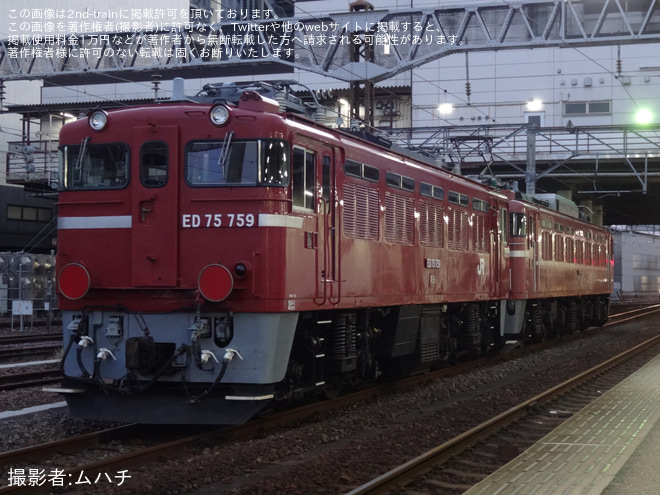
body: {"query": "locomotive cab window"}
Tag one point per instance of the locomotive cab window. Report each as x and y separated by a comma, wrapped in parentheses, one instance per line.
(503, 226)
(93, 166)
(518, 225)
(154, 164)
(237, 163)
(303, 178)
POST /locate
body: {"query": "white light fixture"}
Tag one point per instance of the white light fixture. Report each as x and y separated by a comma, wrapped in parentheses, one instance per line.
(534, 105)
(445, 108)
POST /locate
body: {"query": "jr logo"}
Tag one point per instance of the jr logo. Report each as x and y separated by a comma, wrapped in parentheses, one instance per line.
(481, 267)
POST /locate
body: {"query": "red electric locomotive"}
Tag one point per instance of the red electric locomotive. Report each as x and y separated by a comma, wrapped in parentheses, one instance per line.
(563, 270)
(215, 258)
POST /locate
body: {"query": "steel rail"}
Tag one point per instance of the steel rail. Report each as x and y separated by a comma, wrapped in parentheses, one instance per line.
(30, 379)
(458, 444)
(90, 441)
(29, 338)
(615, 321)
(44, 349)
(66, 445)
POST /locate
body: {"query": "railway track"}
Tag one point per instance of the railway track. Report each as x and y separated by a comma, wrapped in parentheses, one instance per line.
(461, 462)
(165, 448)
(632, 314)
(19, 346)
(90, 445)
(27, 338)
(6, 323)
(96, 446)
(29, 379)
(47, 349)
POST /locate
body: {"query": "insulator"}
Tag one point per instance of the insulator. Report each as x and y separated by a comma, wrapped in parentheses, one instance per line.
(319, 115)
(468, 91)
(619, 65)
(280, 97)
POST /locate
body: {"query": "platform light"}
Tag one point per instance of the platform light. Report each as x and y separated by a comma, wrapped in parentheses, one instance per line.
(534, 105)
(445, 108)
(643, 116)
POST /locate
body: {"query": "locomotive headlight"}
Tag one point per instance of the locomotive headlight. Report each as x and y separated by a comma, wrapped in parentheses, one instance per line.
(98, 120)
(219, 115)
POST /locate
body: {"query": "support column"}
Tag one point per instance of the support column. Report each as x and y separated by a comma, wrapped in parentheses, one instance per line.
(530, 174)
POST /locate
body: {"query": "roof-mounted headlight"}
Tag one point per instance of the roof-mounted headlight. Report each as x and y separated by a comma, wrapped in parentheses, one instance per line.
(98, 120)
(219, 115)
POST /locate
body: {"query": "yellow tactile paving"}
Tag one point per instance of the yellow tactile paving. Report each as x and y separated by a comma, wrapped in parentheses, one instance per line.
(582, 456)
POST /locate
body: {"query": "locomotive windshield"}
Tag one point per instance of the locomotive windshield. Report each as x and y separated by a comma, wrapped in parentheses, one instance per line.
(237, 163)
(93, 166)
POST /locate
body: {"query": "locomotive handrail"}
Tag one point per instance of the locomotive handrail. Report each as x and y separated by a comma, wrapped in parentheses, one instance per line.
(324, 204)
(338, 220)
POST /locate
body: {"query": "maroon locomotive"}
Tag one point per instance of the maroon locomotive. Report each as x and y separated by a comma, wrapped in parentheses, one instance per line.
(216, 258)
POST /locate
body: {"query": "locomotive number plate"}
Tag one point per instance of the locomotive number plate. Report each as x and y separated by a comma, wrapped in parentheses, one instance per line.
(432, 263)
(216, 220)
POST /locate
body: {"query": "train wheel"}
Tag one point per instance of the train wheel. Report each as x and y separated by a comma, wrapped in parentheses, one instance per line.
(332, 392)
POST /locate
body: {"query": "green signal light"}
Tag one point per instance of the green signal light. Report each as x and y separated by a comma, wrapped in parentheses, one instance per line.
(644, 116)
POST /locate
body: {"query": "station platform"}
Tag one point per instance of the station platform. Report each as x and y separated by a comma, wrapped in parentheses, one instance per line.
(610, 447)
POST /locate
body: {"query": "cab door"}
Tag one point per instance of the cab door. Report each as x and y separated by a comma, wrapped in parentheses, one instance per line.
(154, 249)
(535, 246)
(313, 193)
(503, 252)
(327, 252)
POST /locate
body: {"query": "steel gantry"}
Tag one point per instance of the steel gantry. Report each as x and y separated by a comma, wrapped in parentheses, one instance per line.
(589, 153)
(402, 39)
(360, 47)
